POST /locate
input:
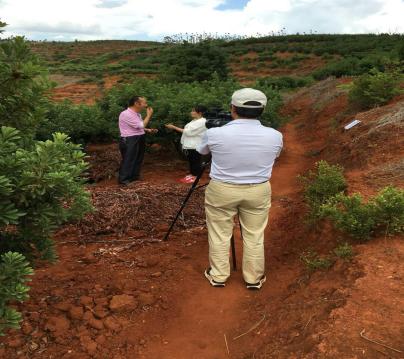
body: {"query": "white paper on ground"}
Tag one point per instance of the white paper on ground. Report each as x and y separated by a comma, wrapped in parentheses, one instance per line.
(351, 124)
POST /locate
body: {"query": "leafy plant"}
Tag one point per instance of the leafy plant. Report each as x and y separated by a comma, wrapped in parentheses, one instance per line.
(23, 85)
(189, 62)
(382, 214)
(14, 272)
(321, 185)
(373, 89)
(41, 188)
(314, 262)
(389, 204)
(344, 251)
(349, 214)
(284, 82)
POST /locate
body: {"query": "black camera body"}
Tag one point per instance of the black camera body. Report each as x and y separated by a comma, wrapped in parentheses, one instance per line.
(217, 118)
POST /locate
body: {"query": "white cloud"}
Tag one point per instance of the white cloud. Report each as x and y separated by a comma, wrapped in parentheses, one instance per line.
(131, 19)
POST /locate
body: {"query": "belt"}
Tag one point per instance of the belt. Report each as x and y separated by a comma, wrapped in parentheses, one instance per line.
(241, 184)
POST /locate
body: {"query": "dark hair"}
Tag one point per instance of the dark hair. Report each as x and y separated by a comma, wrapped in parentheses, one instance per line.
(200, 109)
(134, 99)
(248, 112)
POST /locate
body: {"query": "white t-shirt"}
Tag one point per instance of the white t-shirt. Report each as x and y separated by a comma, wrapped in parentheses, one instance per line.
(243, 151)
(193, 133)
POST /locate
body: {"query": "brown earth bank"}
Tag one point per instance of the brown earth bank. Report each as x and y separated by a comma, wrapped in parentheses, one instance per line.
(119, 291)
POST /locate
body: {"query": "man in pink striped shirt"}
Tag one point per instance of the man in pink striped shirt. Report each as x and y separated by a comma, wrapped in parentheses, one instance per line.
(132, 141)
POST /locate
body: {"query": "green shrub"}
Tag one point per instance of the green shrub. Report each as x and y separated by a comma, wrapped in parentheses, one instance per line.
(41, 188)
(389, 204)
(350, 66)
(400, 52)
(194, 62)
(314, 262)
(14, 272)
(23, 84)
(382, 214)
(373, 89)
(284, 82)
(344, 251)
(82, 123)
(321, 185)
(40, 182)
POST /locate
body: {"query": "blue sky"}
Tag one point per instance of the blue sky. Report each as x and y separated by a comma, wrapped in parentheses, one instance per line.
(67, 20)
(232, 4)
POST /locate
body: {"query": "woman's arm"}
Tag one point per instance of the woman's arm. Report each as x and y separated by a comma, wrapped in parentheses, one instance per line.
(175, 128)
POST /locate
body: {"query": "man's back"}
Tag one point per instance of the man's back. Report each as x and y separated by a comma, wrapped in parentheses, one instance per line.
(243, 151)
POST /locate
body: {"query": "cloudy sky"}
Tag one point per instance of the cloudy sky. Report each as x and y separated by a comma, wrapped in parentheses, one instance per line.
(67, 20)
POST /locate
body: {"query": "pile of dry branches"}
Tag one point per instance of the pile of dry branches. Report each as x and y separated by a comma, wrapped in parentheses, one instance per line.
(104, 162)
(143, 207)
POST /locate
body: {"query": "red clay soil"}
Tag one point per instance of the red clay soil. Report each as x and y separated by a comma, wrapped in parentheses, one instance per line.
(77, 93)
(257, 70)
(133, 296)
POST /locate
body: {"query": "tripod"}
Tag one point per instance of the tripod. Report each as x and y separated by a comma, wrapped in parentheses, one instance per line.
(191, 190)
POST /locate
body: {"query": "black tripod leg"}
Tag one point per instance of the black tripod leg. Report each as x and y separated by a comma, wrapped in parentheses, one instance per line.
(233, 252)
(233, 248)
(193, 187)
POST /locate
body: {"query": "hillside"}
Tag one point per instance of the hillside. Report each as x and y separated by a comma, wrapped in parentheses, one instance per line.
(84, 70)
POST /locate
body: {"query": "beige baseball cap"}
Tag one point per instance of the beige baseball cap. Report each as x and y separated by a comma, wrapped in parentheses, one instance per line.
(240, 97)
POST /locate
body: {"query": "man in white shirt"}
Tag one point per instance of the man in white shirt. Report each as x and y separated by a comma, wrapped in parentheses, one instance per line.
(243, 153)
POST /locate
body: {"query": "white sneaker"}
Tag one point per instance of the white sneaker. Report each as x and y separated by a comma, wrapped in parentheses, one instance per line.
(258, 285)
(212, 282)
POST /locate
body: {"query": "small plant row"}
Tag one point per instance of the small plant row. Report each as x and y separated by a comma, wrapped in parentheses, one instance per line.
(314, 262)
(326, 198)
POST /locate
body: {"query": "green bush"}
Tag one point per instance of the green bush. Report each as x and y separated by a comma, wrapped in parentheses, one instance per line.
(344, 251)
(41, 187)
(400, 52)
(389, 204)
(23, 84)
(83, 123)
(284, 82)
(314, 262)
(382, 214)
(350, 66)
(194, 62)
(320, 186)
(14, 272)
(373, 89)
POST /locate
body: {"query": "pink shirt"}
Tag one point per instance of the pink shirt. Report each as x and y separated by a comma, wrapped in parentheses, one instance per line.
(130, 123)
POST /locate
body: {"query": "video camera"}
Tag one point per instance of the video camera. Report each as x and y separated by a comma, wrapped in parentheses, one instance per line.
(217, 118)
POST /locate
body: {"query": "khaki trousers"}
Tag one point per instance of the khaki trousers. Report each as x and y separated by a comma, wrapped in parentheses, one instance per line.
(222, 202)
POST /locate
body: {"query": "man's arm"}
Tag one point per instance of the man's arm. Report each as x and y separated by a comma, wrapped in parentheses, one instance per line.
(280, 148)
(149, 113)
(203, 148)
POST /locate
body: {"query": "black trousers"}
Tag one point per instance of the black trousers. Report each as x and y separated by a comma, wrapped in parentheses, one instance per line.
(132, 150)
(195, 161)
